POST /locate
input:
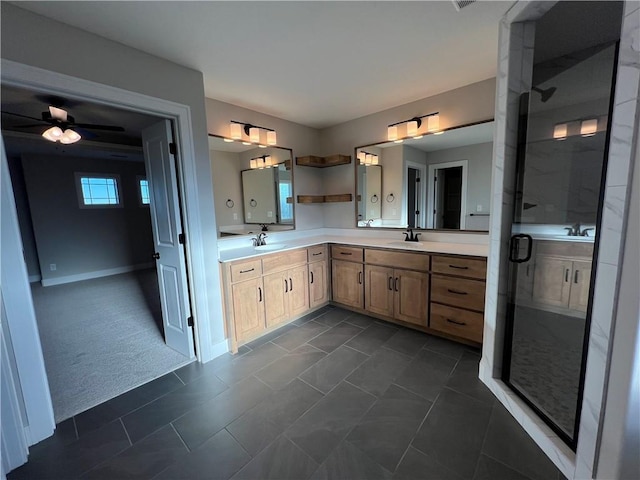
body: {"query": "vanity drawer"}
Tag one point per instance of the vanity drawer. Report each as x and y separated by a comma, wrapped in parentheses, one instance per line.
(317, 253)
(461, 266)
(411, 261)
(457, 291)
(458, 322)
(352, 254)
(280, 261)
(246, 270)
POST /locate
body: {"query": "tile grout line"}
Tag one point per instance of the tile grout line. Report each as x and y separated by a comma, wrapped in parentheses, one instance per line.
(125, 431)
(180, 437)
(75, 427)
(511, 467)
(178, 376)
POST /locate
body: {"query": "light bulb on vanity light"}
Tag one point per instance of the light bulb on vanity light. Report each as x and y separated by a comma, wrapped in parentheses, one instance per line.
(374, 159)
(253, 163)
(392, 133)
(412, 128)
(271, 137)
(588, 128)
(560, 131)
(433, 123)
(361, 157)
(254, 135)
(235, 131)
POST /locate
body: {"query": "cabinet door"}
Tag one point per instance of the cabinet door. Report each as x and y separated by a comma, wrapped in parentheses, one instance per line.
(318, 293)
(379, 289)
(552, 281)
(276, 288)
(411, 295)
(248, 308)
(298, 295)
(346, 281)
(580, 281)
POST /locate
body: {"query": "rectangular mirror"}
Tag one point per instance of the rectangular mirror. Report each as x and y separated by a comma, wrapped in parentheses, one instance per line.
(440, 181)
(253, 187)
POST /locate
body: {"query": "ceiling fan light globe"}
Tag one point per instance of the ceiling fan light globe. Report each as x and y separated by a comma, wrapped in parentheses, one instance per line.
(69, 136)
(53, 134)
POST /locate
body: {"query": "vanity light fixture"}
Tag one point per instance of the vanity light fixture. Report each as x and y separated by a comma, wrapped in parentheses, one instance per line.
(413, 127)
(560, 131)
(588, 128)
(265, 161)
(252, 131)
(367, 159)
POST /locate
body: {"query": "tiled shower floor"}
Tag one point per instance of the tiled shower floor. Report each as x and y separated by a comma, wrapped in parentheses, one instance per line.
(338, 396)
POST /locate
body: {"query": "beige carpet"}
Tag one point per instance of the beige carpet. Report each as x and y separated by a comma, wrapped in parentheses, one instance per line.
(101, 338)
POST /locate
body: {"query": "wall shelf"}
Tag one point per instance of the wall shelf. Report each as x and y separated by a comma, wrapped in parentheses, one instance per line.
(343, 197)
(322, 162)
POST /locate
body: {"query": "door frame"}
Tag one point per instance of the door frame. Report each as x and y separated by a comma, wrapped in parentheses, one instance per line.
(38, 79)
(463, 200)
(423, 194)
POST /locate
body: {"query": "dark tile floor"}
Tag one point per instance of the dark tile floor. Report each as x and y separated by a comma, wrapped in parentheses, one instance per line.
(334, 395)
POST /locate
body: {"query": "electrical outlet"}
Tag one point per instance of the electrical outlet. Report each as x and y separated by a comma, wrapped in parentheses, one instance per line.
(394, 212)
(52, 267)
(478, 208)
(269, 214)
(235, 216)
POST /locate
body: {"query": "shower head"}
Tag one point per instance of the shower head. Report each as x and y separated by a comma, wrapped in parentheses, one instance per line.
(545, 94)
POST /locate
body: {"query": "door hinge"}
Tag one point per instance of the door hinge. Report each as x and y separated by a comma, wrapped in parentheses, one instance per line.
(417, 179)
(172, 148)
(190, 321)
(181, 239)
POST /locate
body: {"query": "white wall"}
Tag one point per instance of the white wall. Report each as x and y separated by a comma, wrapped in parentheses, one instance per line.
(469, 104)
(302, 140)
(392, 182)
(40, 42)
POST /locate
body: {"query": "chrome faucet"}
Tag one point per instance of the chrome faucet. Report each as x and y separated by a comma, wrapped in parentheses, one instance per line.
(409, 236)
(368, 222)
(259, 240)
(576, 231)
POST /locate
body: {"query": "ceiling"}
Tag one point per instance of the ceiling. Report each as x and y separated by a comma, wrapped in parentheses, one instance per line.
(314, 63)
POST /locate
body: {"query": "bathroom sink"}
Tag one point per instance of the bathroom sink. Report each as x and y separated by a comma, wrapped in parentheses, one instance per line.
(271, 247)
(403, 244)
(565, 238)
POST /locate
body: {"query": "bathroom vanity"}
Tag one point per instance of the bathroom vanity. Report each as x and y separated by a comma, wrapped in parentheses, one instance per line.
(422, 286)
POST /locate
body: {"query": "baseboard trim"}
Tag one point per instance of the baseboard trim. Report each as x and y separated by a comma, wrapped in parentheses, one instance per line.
(34, 278)
(97, 274)
(218, 349)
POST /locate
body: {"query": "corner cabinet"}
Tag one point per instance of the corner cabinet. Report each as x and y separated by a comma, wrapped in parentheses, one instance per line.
(266, 292)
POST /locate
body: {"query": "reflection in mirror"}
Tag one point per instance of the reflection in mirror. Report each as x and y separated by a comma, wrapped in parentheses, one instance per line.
(248, 200)
(369, 193)
(436, 182)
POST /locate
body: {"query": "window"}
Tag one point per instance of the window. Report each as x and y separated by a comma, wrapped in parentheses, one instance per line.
(98, 190)
(143, 190)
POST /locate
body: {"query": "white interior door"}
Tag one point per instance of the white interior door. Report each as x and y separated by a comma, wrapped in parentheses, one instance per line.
(167, 226)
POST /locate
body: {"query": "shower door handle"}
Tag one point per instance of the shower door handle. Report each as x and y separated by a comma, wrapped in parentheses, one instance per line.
(514, 248)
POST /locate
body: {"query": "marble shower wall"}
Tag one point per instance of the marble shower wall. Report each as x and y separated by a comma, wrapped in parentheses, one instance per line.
(514, 70)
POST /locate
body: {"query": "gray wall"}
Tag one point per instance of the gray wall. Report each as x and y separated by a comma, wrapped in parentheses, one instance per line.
(227, 185)
(24, 218)
(478, 174)
(81, 241)
(469, 104)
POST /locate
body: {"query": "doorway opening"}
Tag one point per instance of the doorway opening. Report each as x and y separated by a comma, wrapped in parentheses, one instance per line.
(447, 205)
(102, 308)
(416, 195)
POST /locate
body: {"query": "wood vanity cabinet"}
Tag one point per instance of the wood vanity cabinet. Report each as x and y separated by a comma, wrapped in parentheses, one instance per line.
(562, 276)
(457, 296)
(318, 278)
(265, 292)
(347, 276)
(398, 293)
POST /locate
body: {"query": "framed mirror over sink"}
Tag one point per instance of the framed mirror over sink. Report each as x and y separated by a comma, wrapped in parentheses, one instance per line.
(253, 187)
(440, 181)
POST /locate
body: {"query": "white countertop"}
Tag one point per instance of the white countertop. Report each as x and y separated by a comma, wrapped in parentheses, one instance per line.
(475, 250)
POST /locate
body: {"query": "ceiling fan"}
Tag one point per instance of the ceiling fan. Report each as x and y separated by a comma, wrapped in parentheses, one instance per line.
(63, 127)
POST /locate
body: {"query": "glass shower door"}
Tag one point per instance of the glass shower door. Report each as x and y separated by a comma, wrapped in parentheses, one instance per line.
(561, 164)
